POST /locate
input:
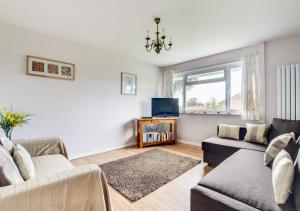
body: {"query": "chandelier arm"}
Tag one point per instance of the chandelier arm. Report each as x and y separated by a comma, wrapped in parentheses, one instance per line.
(161, 41)
(166, 47)
(149, 48)
(147, 42)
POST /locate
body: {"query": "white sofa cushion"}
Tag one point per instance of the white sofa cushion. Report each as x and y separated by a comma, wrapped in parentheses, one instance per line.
(282, 176)
(7, 144)
(24, 162)
(9, 173)
(47, 165)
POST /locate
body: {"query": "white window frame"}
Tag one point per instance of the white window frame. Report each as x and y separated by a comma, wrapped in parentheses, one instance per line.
(227, 77)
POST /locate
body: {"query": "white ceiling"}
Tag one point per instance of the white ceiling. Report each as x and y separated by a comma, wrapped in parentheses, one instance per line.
(198, 27)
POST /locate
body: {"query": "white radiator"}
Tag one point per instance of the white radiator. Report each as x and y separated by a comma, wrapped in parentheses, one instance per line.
(288, 92)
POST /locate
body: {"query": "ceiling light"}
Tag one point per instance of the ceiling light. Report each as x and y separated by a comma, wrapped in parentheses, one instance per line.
(159, 42)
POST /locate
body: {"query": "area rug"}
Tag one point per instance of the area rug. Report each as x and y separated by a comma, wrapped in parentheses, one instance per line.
(138, 175)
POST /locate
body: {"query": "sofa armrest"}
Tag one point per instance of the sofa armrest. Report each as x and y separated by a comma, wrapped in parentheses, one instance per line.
(43, 146)
(82, 188)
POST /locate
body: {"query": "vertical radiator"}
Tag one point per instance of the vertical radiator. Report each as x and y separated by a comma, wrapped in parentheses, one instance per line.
(288, 92)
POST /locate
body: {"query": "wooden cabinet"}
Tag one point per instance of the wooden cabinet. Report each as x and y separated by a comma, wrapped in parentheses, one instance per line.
(141, 123)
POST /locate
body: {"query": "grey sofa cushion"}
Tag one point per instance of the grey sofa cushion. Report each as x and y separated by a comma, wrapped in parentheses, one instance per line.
(222, 145)
(281, 126)
(205, 199)
(244, 177)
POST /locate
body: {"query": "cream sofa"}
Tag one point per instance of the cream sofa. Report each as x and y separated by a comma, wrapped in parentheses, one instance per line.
(58, 185)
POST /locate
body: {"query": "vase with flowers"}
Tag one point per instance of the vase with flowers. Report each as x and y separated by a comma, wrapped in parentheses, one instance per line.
(10, 119)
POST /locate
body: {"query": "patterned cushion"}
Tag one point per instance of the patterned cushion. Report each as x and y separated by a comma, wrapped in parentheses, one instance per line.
(257, 133)
(229, 131)
(282, 176)
(24, 162)
(276, 145)
(9, 173)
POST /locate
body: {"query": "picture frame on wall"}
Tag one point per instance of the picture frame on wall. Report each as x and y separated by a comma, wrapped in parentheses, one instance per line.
(50, 68)
(128, 83)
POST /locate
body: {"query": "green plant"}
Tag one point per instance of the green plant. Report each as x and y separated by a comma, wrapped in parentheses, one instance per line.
(213, 105)
(10, 119)
(192, 102)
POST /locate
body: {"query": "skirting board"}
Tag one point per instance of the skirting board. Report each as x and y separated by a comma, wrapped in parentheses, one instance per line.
(194, 143)
(101, 151)
(74, 157)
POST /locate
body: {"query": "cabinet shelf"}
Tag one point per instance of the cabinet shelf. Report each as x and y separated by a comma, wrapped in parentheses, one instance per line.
(141, 123)
(158, 143)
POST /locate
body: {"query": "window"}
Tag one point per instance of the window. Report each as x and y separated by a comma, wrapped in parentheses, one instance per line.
(210, 90)
(178, 91)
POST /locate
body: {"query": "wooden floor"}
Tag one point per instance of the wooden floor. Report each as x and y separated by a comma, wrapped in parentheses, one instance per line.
(174, 196)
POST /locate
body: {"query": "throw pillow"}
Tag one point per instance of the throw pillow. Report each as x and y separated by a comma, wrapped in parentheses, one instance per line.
(282, 176)
(277, 144)
(9, 173)
(7, 144)
(229, 131)
(24, 162)
(292, 148)
(257, 133)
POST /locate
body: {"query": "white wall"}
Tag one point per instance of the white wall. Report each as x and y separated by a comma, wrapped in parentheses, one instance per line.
(89, 113)
(279, 52)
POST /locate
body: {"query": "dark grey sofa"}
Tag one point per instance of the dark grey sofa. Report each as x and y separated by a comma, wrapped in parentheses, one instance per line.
(240, 180)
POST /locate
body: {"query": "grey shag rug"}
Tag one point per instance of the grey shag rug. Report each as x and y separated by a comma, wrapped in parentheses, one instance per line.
(138, 175)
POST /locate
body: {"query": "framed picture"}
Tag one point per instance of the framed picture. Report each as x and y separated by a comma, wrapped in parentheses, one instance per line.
(50, 68)
(128, 84)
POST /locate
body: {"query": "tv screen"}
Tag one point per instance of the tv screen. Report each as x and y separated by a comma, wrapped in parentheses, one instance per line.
(165, 107)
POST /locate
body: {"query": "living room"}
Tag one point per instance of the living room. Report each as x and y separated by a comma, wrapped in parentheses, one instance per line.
(95, 115)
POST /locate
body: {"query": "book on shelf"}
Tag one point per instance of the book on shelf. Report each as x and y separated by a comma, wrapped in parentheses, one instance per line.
(149, 137)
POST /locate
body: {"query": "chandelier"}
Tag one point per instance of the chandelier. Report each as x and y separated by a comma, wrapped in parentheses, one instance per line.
(159, 42)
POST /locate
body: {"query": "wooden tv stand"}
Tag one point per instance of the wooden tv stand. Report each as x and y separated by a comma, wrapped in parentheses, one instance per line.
(167, 137)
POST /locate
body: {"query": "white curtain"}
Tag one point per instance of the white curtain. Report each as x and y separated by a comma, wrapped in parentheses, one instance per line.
(168, 83)
(253, 89)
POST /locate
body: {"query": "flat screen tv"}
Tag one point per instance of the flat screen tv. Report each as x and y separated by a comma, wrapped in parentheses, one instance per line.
(165, 107)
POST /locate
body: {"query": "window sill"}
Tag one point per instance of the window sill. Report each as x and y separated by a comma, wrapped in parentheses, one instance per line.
(207, 113)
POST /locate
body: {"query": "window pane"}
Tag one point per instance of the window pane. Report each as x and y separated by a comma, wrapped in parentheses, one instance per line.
(178, 91)
(236, 88)
(206, 97)
(206, 76)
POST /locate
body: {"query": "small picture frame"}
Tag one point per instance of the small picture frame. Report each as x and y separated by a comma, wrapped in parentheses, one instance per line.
(128, 83)
(50, 68)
